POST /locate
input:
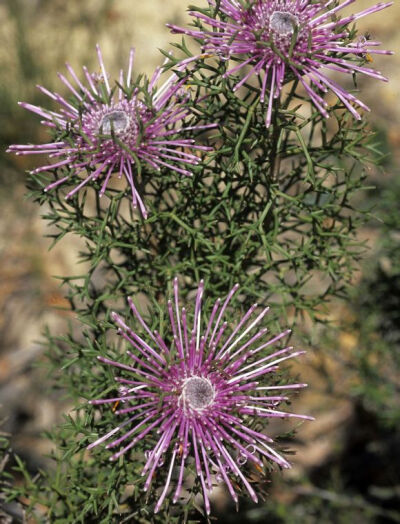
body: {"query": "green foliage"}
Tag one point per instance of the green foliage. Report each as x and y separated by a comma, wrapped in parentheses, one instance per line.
(269, 209)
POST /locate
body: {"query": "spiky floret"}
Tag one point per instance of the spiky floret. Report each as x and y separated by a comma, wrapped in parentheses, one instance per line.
(196, 399)
(105, 129)
(285, 39)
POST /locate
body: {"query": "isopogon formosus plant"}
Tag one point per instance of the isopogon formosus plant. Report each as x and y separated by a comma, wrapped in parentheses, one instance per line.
(108, 130)
(200, 397)
(268, 206)
(285, 37)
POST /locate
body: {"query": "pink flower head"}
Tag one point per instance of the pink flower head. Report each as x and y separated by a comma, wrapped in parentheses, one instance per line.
(286, 39)
(109, 129)
(196, 400)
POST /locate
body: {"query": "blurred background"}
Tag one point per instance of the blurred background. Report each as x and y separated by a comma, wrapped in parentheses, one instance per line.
(347, 463)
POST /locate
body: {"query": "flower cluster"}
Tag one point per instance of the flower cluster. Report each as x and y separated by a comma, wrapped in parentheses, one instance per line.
(286, 39)
(196, 399)
(106, 130)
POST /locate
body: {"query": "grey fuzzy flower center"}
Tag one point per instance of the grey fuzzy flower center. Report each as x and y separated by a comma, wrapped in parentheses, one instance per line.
(198, 392)
(117, 120)
(283, 23)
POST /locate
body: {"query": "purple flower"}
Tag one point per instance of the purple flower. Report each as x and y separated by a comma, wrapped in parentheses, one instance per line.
(196, 400)
(108, 129)
(286, 39)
